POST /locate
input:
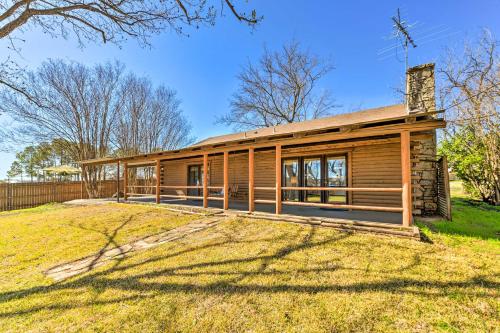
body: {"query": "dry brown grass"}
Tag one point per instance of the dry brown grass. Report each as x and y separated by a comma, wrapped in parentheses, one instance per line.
(245, 275)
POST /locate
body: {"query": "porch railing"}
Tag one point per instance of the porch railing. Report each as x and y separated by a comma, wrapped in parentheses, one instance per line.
(333, 189)
(174, 187)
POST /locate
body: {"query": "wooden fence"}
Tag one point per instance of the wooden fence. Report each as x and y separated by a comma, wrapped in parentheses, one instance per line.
(26, 195)
(443, 188)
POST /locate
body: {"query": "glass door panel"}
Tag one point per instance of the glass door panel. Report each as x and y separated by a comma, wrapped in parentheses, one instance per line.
(312, 178)
(195, 178)
(336, 176)
(291, 179)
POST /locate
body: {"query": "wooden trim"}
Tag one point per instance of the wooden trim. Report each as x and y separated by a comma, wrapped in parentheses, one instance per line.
(423, 125)
(139, 194)
(205, 180)
(352, 189)
(278, 179)
(226, 181)
(181, 196)
(140, 186)
(251, 180)
(263, 188)
(260, 201)
(157, 187)
(82, 183)
(406, 177)
(446, 181)
(118, 181)
(349, 176)
(215, 198)
(310, 152)
(336, 148)
(181, 186)
(357, 207)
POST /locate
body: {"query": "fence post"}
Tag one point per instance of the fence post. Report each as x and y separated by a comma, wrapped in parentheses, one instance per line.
(9, 196)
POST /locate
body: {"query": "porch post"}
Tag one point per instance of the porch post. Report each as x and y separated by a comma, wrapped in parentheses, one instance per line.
(205, 180)
(157, 188)
(125, 181)
(406, 177)
(81, 181)
(118, 181)
(251, 182)
(226, 180)
(278, 179)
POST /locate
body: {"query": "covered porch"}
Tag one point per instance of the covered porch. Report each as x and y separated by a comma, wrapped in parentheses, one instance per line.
(237, 207)
(170, 187)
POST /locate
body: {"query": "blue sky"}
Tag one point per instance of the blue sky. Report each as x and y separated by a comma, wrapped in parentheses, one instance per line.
(203, 66)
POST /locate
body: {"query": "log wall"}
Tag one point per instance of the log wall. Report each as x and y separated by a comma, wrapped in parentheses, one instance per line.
(372, 165)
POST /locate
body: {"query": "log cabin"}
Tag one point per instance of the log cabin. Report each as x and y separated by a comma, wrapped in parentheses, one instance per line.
(376, 160)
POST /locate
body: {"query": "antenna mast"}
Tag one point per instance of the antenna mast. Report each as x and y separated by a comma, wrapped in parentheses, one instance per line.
(401, 31)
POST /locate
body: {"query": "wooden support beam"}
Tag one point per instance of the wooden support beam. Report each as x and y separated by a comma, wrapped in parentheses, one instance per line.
(125, 181)
(278, 179)
(205, 180)
(349, 177)
(82, 183)
(226, 180)
(118, 182)
(251, 180)
(406, 177)
(158, 181)
(353, 134)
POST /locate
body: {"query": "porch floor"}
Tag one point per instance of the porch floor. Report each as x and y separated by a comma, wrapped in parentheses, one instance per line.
(366, 216)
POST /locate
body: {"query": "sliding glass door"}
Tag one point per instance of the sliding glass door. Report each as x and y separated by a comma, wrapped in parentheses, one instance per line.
(336, 170)
(317, 171)
(312, 178)
(195, 178)
(291, 179)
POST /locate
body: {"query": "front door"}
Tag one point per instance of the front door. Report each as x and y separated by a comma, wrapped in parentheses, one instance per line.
(195, 178)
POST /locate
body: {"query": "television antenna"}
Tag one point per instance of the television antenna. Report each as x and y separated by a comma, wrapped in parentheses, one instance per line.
(401, 32)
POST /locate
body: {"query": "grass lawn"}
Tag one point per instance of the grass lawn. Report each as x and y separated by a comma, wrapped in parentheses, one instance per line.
(245, 275)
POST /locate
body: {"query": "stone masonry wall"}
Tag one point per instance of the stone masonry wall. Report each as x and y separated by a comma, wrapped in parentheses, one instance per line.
(424, 173)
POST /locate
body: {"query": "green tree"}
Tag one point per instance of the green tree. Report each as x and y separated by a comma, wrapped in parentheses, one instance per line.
(466, 156)
(15, 170)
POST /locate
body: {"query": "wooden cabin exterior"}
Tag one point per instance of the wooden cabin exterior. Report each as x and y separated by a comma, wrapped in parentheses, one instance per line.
(379, 159)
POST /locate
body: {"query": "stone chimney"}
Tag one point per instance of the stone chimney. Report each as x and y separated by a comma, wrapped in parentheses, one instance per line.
(420, 89)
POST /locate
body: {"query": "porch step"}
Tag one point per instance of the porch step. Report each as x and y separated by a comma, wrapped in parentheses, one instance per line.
(342, 224)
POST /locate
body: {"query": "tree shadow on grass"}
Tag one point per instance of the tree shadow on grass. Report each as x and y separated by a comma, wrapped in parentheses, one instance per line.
(235, 280)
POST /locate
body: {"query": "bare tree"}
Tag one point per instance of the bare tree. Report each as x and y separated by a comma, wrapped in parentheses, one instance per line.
(472, 92)
(111, 20)
(80, 107)
(96, 112)
(280, 89)
(101, 20)
(149, 120)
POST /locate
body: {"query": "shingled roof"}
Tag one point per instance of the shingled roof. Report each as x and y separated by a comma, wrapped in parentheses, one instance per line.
(385, 113)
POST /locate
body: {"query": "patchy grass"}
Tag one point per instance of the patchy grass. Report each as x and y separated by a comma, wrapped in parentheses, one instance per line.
(241, 275)
(33, 240)
(472, 219)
